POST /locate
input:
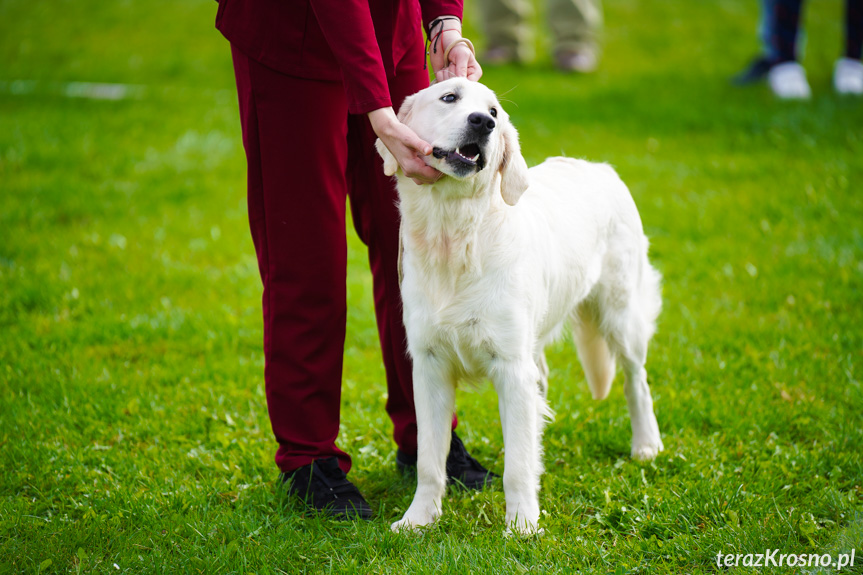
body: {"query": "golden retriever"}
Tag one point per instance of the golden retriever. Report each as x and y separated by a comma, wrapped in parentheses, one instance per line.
(497, 259)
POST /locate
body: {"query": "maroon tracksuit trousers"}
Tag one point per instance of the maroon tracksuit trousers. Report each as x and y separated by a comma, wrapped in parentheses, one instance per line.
(306, 155)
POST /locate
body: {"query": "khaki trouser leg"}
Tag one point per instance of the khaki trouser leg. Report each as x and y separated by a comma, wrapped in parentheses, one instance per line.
(575, 24)
(507, 25)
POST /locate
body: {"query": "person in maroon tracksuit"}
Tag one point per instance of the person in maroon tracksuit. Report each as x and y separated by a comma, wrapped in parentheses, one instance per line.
(317, 83)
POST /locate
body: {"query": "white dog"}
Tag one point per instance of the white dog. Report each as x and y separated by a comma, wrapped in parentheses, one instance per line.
(496, 260)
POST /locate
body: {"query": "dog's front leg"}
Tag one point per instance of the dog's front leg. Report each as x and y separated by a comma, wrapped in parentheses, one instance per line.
(520, 408)
(434, 401)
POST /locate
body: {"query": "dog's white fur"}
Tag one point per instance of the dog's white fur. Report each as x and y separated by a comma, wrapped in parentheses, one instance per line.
(495, 263)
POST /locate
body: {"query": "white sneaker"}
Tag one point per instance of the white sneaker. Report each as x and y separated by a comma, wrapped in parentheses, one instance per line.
(848, 76)
(788, 81)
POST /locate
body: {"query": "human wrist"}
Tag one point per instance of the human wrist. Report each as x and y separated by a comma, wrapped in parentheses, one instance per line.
(382, 119)
(444, 23)
(449, 36)
(442, 28)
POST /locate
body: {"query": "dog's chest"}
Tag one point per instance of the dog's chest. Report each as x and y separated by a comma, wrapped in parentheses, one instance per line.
(468, 345)
(464, 328)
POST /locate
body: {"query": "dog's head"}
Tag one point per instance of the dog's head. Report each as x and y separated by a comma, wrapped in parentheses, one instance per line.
(470, 134)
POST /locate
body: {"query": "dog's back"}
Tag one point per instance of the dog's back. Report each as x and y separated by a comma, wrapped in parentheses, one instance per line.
(582, 192)
(582, 218)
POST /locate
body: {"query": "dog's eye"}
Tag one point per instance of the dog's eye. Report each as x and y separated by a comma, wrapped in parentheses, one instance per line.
(449, 98)
(493, 112)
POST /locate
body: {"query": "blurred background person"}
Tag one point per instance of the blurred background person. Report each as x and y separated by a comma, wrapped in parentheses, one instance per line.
(575, 28)
(779, 62)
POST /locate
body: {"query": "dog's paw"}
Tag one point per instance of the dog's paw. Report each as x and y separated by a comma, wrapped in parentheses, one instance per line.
(523, 529)
(415, 520)
(647, 450)
(405, 525)
(521, 523)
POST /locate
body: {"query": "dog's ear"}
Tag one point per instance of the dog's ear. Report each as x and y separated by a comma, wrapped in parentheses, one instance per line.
(405, 110)
(391, 166)
(513, 168)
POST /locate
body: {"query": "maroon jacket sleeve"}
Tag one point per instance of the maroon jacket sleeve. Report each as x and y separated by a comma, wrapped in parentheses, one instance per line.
(434, 8)
(349, 31)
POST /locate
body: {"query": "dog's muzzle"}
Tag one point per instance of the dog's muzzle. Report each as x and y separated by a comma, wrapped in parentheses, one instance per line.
(465, 159)
(468, 156)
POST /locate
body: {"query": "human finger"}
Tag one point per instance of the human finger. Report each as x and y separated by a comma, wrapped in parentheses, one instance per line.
(459, 58)
(412, 141)
(474, 71)
(421, 173)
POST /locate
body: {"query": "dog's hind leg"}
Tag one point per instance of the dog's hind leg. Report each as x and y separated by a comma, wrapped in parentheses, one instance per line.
(596, 358)
(434, 400)
(520, 413)
(631, 328)
(624, 306)
(646, 441)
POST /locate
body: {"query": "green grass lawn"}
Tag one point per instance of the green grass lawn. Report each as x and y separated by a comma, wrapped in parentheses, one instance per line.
(133, 427)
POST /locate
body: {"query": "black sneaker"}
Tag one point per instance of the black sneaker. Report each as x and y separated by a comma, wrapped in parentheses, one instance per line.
(322, 485)
(755, 72)
(461, 467)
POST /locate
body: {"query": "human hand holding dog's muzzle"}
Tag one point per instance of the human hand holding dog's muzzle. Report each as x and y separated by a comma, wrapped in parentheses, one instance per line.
(403, 143)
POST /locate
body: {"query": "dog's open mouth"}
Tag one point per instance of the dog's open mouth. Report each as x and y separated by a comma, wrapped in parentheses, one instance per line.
(467, 154)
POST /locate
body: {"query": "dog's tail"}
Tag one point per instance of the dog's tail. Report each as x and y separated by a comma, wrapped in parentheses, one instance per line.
(596, 358)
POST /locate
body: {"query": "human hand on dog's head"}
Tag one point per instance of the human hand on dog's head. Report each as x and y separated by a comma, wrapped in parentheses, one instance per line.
(406, 147)
(459, 62)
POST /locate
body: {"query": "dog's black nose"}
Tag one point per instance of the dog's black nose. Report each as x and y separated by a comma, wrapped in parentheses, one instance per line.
(481, 123)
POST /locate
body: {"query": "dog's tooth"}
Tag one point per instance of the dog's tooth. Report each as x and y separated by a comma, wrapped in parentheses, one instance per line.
(459, 153)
